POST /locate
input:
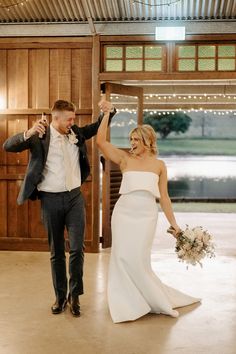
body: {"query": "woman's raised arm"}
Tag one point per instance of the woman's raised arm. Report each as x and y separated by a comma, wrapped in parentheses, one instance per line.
(109, 151)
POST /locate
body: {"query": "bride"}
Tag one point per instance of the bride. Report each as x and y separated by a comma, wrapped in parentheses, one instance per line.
(133, 288)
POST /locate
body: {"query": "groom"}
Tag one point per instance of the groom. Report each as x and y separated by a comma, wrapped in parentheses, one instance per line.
(58, 166)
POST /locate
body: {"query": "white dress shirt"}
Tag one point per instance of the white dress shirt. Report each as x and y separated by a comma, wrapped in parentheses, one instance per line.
(54, 177)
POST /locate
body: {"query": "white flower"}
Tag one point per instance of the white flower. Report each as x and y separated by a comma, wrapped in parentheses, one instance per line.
(72, 137)
(189, 234)
(206, 238)
(198, 232)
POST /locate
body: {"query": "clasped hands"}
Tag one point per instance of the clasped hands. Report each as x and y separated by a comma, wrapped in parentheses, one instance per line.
(105, 106)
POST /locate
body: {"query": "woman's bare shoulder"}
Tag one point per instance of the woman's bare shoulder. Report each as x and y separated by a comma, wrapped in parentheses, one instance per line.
(160, 163)
(160, 166)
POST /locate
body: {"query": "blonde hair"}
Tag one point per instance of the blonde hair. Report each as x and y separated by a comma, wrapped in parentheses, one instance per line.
(148, 137)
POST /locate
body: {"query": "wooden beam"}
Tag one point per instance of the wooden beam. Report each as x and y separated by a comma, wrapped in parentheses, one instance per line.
(122, 90)
(89, 17)
(34, 111)
(45, 42)
(115, 29)
(118, 76)
(95, 154)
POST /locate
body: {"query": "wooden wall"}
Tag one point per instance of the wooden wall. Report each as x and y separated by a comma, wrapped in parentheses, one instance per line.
(34, 73)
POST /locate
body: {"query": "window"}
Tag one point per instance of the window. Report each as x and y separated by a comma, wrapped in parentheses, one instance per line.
(211, 57)
(134, 58)
(226, 57)
(187, 58)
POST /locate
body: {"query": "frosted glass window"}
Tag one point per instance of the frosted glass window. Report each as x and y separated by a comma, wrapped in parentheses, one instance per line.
(187, 51)
(134, 65)
(114, 52)
(134, 52)
(226, 50)
(153, 65)
(114, 65)
(187, 65)
(153, 52)
(206, 51)
(226, 64)
(206, 65)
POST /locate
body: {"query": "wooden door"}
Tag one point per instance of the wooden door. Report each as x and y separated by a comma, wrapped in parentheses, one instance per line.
(35, 72)
(111, 175)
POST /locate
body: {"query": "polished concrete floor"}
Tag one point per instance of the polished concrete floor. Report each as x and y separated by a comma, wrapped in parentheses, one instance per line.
(28, 327)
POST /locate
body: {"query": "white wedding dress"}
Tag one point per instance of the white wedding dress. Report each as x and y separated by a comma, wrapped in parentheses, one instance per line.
(133, 288)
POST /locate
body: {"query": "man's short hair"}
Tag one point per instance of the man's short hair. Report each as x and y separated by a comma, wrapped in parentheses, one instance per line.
(61, 105)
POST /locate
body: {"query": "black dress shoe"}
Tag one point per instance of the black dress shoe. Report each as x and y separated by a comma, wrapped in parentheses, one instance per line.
(59, 306)
(74, 306)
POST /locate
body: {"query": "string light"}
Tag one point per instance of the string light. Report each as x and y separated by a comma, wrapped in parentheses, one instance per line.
(168, 3)
(194, 97)
(190, 97)
(7, 5)
(163, 112)
(205, 98)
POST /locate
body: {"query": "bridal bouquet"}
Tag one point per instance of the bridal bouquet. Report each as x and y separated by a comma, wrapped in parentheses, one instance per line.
(192, 245)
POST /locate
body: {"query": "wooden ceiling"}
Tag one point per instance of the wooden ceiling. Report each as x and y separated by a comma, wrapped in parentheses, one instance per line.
(28, 11)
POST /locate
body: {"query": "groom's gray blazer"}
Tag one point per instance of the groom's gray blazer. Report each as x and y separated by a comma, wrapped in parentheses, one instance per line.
(39, 151)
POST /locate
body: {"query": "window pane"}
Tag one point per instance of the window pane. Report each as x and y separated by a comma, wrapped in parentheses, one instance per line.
(187, 51)
(114, 65)
(121, 126)
(134, 52)
(226, 64)
(206, 65)
(187, 65)
(153, 65)
(206, 51)
(153, 52)
(226, 51)
(114, 52)
(134, 65)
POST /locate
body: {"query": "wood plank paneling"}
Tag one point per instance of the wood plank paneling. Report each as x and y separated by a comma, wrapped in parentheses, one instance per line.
(17, 124)
(31, 80)
(3, 209)
(85, 79)
(82, 78)
(17, 216)
(39, 78)
(60, 75)
(75, 77)
(36, 228)
(3, 79)
(3, 136)
(17, 74)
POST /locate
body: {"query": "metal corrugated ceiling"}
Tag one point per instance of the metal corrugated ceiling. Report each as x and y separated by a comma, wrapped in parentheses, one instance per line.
(28, 11)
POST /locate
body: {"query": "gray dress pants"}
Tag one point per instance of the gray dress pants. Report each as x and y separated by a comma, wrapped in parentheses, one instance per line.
(59, 211)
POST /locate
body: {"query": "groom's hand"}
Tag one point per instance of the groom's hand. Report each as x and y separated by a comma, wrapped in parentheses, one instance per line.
(105, 106)
(39, 127)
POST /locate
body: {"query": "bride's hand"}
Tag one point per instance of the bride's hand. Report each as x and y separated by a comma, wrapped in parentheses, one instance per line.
(174, 231)
(105, 106)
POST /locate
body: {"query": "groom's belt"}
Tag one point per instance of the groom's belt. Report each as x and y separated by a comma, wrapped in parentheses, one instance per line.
(73, 191)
